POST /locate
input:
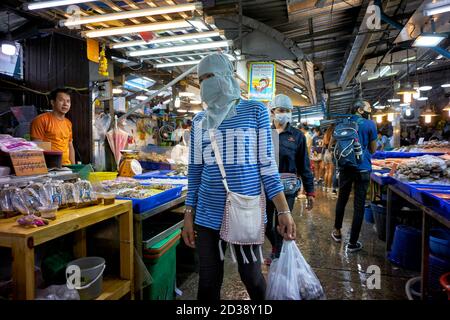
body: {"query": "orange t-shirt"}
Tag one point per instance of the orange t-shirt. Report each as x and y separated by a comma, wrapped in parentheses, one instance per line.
(46, 127)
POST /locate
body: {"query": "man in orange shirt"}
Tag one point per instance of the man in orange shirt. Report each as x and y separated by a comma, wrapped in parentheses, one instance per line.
(54, 127)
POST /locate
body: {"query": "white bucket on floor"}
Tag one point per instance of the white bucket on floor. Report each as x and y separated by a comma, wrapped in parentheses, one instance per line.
(92, 269)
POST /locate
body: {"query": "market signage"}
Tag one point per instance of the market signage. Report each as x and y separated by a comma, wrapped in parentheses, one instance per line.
(261, 82)
(27, 163)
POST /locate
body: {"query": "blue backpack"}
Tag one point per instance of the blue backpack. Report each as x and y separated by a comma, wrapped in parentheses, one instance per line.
(347, 150)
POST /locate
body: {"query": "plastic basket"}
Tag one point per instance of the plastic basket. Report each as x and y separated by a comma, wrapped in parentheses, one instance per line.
(83, 170)
(143, 205)
(159, 174)
(381, 180)
(406, 248)
(440, 243)
(96, 177)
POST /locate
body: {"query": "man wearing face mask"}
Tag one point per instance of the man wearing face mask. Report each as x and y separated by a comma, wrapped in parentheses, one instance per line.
(227, 114)
(293, 163)
(359, 176)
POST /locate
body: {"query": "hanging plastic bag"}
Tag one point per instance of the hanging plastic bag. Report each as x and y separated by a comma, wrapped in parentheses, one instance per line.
(291, 277)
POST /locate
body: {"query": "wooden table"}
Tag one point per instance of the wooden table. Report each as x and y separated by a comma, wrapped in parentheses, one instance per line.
(427, 216)
(23, 240)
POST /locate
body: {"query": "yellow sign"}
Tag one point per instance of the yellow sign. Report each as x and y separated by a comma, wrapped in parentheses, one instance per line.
(28, 163)
(92, 50)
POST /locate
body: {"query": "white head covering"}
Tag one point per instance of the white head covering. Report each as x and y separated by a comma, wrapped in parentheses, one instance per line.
(281, 101)
(221, 92)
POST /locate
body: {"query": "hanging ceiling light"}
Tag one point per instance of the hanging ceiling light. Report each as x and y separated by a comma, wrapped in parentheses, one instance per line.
(141, 98)
(8, 46)
(177, 102)
(290, 71)
(379, 115)
(394, 100)
(422, 98)
(425, 88)
(364, 71)
(186, 94)
(447, 108)
(298, 90)
(445, 85)
(428, 114)
(117, 91)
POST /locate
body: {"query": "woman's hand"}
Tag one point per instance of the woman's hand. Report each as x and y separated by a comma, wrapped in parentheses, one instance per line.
(188, 233)
(286, 226)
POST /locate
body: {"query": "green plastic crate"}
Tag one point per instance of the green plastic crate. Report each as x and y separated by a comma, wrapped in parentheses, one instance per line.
(162, 269)
(83, 170)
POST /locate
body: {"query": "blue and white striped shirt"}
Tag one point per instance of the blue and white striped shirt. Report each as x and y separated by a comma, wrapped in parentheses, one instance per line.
(206, 192)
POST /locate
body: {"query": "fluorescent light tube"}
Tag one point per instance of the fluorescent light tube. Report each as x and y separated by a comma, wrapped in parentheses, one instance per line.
(51, 4)
(290, 71)
(384, 71)
(189, 47)
(179, 63)
(190, 36)
(166, 25)
(132, 14)
(422, 98)
(186, 94)
(436, 10)
(141, 98)
(428, 41)
(445, 85)
(298, 90)
(394, 100)
(425, 88)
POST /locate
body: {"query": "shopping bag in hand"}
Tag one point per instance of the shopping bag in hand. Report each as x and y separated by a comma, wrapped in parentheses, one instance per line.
(291, 278)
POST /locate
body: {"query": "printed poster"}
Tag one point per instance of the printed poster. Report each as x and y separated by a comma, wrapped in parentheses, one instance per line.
(261, 84)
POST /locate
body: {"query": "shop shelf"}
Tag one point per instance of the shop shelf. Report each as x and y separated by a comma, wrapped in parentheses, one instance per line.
(143, 205)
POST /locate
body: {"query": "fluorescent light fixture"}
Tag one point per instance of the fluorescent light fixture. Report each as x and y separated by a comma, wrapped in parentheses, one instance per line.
(431, 10)
(166, 101)
(425, 88)
(407, 98)
(379, 119)
(166, 25)
(404, 104)
(394, 100)
(9, 48)
(304, 96)
(189, 36)
(51, 4)
(177, 102)
(384, 70)
(364, 72)
(376, 103)
(182, 110)
(189, 47)
(428, 40)
(290, 71)
(409, 59)
(117, 91)
(128, 83)
(390, 116)
(195, 102)
(180, 63)
(379, 107)
(298, 90)
(445, 85)
(439, 57)
(132, 14)
(186, 94)
(198, 24)
(427, 119)
(141, 98)
(422, 99)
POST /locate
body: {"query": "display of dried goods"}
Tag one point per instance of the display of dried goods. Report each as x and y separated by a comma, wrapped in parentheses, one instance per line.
(84, 192)
(153, 156)
(6, 196)
(32, 200)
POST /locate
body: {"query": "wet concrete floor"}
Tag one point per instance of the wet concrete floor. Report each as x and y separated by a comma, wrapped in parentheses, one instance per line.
(343, 275)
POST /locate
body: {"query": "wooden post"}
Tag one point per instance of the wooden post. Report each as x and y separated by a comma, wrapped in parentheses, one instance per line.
(23, 269)
(127, 248)
(80, 249)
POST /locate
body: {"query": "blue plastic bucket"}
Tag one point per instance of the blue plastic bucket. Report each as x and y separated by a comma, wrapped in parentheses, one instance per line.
(440, 243)
(406, 248)
(368, 215)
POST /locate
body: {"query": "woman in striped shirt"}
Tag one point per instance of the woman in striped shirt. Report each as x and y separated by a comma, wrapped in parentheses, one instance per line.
(242, 130)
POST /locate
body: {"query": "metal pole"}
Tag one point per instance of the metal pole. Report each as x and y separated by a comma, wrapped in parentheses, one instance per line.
(171, 83)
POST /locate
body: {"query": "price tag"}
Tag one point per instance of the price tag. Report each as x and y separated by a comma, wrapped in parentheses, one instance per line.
(28, 163)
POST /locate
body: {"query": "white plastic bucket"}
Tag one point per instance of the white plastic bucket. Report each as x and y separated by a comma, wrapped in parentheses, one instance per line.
(92, 269)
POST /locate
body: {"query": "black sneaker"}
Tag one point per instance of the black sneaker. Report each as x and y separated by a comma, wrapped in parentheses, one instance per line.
(354, 247)
(336, 237)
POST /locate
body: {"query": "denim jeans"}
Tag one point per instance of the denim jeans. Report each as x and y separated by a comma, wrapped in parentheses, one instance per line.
(360, 180)
(211, 267)
(275, 239)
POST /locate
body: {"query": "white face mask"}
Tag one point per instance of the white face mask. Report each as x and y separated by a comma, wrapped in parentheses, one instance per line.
(283, 118)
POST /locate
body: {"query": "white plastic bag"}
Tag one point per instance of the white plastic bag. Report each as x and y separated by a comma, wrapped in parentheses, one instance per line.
(291, 277)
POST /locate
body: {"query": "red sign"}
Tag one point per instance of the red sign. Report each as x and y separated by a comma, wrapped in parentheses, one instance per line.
(147, 36)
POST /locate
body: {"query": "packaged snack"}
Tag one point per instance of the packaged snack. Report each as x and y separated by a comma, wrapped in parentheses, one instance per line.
(32, 200)
(18, 202)
(48, 212)
(6, 204)
(69, 190)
